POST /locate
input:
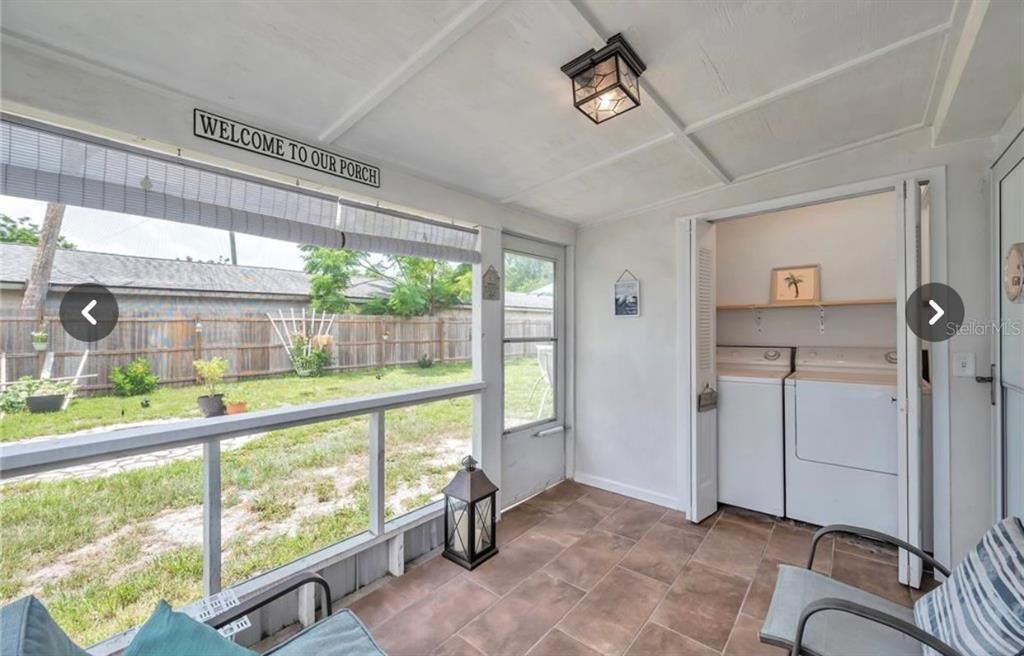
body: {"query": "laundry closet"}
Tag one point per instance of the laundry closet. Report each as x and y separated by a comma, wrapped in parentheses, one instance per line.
(807, 327)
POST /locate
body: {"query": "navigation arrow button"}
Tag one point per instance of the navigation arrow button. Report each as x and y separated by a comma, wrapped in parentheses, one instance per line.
(86, 309)
(938, 312)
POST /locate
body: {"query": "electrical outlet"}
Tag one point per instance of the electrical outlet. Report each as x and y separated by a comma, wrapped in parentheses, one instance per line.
(963, 364)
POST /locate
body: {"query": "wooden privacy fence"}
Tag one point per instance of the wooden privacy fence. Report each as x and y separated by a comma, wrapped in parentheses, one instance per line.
(249, 344)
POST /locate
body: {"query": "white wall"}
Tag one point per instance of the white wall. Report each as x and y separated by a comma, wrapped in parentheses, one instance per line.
(625, 367)
(855, 243)
(626, 370)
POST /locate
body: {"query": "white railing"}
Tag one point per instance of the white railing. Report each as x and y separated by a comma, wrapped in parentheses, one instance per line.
(50, 454)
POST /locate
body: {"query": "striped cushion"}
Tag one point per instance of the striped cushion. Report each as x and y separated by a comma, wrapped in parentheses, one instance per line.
(979, 610)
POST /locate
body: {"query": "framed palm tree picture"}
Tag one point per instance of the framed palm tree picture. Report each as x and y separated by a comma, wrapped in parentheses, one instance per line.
(796, 284)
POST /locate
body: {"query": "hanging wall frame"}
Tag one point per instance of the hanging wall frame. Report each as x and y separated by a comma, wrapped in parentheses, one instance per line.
(627, 295)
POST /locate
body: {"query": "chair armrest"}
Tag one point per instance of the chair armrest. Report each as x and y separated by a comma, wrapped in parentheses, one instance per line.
(273, 593)
(874, 535)
(868, 613)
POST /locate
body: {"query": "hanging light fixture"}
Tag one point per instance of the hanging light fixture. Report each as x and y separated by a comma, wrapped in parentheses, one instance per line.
(605, 82)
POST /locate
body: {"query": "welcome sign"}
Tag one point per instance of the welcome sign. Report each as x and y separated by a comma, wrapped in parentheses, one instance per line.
(210, 126)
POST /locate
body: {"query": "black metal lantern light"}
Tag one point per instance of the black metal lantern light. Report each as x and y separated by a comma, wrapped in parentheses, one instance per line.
(605, 83)
(469, 521)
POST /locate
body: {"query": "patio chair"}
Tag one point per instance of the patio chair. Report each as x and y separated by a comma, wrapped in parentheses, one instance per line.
(336, 634)
(977, 611)
(546, 362)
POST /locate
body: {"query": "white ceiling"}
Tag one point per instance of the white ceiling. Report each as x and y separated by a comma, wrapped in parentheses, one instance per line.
(469, 93)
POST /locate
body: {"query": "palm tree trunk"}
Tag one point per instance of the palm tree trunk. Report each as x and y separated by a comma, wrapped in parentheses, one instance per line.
(39, 280)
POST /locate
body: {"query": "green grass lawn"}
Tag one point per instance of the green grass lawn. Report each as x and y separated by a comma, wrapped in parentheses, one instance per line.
(100, 552)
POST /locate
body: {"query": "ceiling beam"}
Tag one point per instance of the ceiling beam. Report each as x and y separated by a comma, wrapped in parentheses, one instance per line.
(961, 55)
(589, 27)
(454, 30)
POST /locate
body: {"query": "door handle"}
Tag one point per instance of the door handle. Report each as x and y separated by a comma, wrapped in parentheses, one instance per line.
(991, 380)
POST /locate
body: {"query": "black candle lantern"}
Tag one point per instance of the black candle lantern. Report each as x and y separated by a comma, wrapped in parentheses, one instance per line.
(605, 83)
(469, 518)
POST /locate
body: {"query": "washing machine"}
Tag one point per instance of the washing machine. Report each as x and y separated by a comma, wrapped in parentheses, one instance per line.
(750, 427)
(841, 437)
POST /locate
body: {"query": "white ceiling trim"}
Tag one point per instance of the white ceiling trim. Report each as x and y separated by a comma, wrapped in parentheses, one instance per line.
(961, 55)
(961, 8)
(589, 26)
(816, 79)
(454, 30)
(601, 163)
(757, 174)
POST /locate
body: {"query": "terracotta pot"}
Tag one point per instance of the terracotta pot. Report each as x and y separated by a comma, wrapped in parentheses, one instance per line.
(235, 408)
(211, 406)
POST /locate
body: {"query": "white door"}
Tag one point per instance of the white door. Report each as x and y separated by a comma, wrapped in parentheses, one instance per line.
(908, 348)
(533, 444)
(1008, 182)
(704, 378)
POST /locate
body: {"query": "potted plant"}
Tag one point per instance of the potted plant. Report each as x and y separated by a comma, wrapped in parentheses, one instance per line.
(40, 339)
(211, 374)
(234, 405)
(48, 396)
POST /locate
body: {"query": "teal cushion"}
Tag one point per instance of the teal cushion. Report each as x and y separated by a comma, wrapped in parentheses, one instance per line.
(167, 633)
(26, 629)
(341, 634)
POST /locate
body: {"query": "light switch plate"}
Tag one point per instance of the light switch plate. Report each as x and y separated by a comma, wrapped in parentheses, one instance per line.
(963, 364)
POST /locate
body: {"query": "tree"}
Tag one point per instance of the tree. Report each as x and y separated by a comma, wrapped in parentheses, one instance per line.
(42, 266)
(330, 274)
(23, 231)
(525, 274)
(419, 285)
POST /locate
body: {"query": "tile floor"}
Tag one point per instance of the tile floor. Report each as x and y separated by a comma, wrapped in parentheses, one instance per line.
(586, 572)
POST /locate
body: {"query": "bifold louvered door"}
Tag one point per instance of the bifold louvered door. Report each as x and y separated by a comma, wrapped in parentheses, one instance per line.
(704, 423)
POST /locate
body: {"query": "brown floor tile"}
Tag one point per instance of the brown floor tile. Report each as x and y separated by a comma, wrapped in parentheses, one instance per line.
(571, 524)
(702, 604)
(928, 583)
(456, 646)
(429, 622)
(516, 561)
(656, 640)
(662, 552)
(790, 544)
(558, 497)
(733, 546)
(633, 519)
(870, 575)
(557, 643)
(759, 596)
(870, 549)
(522, 617)
(755, 520)
(678, 520)
(602, 499)
(744, 640)
(401, 592)
(611, 614)
(517, 521)
(586, 562)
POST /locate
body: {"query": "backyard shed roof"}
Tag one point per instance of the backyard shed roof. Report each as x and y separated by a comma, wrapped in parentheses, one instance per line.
(73, 267)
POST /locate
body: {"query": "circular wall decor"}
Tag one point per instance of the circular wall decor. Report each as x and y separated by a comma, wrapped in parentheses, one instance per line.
(1013, 272)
